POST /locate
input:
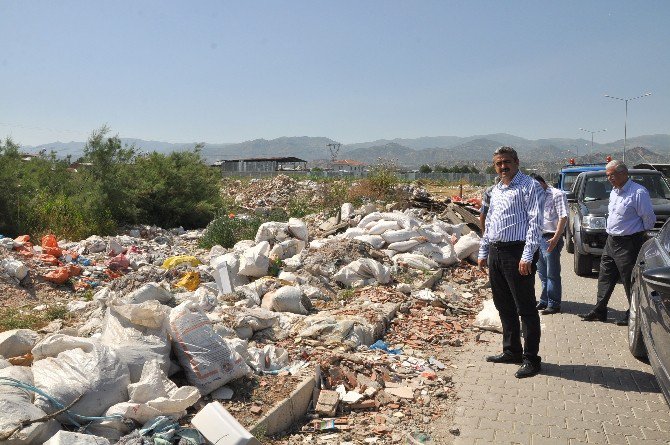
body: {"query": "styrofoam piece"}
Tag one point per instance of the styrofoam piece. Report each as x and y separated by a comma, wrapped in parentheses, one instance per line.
(220, 428)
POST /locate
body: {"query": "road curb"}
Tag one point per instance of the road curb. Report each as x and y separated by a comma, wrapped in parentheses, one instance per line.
(288, 411)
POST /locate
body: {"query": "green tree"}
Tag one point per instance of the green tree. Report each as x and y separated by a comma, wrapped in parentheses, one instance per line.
(425, 169)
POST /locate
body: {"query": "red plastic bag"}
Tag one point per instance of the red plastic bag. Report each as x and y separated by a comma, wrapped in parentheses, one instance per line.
(119, 262)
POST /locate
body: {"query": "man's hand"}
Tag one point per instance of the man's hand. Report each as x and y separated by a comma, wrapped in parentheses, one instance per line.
(524, 267)
(482, 263)
(552, 243)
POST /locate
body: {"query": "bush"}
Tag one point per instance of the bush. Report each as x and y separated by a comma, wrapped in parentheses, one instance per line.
(228, 229)
(378, 185)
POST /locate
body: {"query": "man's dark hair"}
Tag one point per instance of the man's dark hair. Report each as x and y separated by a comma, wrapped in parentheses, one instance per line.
(537, 177)
(506, 151)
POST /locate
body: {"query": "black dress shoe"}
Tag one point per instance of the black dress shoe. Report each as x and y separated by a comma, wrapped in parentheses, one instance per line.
(540, 306)
(505, 358)
(528, 369)
(622, 322)
(551, 310)
(592, 316)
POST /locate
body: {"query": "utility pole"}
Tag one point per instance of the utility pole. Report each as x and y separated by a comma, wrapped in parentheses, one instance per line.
(334, 149)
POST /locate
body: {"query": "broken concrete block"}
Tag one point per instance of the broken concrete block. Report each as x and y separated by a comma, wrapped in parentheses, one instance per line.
(17, 342)
(404, 392)
(327, 403)
(71, 438)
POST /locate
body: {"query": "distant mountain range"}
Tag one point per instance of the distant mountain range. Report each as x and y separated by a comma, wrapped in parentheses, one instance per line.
(405, 152)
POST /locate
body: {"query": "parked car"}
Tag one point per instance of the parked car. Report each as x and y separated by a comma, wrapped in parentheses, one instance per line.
(649, 320)
(587, 217)
(568, 174)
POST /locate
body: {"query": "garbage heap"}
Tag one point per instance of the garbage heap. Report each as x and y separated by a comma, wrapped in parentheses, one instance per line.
(158, 328)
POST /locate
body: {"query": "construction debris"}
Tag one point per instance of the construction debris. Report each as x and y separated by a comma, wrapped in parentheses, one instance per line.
(156, 330)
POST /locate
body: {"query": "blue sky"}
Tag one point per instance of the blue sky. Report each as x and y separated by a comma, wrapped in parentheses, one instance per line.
(354, 71)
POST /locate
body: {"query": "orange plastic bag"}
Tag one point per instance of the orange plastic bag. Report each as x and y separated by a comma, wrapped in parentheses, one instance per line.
(58, 276)
(50, 246)
(22, 239)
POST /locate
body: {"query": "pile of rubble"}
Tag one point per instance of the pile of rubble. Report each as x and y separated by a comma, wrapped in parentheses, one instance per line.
(158, 328)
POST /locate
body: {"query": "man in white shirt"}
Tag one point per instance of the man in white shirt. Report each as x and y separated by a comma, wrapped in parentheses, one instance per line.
(551, 244)
(630, 215)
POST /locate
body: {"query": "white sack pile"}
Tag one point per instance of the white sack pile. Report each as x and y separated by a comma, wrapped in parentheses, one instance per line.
(401, 233)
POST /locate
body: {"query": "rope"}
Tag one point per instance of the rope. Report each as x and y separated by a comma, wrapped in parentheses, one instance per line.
(74, 417)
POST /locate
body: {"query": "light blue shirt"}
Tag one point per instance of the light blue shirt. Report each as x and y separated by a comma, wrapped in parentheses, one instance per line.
(515, 214)
(630, 210)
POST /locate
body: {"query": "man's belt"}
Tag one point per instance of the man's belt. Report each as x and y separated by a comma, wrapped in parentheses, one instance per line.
(632, 235)
(549, 235)
(504, 244)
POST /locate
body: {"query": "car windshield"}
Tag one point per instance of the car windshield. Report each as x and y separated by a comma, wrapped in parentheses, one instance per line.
(655, 184)
(597, 188)
(569, 180)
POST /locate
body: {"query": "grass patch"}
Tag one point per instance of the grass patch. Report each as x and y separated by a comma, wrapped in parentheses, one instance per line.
(27, 318)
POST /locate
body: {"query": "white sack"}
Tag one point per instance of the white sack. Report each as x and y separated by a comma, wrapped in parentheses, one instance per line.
(285, 299)
(396, 236)
(488, 318)
(375, 241)
(136, 333)
(362, 269)
(382, 226)
(270, 358)
(404, 246)
(155, 395)
(254, 262)
(466, 245)
(367, 219)
(91, 371)
(148, 292)
(353, 232)
(415, 261)
(207, 359)
(431, 235)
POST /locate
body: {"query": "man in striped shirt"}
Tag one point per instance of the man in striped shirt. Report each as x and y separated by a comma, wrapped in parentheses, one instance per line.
(509, 249)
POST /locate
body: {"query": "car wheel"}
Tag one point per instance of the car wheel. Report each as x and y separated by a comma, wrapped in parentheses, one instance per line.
(583, 264)
(569, 242)
(635, 339)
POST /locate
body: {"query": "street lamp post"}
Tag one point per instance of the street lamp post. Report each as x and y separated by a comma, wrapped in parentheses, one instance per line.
(625, 122)
(592, 133)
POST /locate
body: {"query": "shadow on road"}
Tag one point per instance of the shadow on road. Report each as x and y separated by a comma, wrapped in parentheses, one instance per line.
(605, 376)
(576, 307)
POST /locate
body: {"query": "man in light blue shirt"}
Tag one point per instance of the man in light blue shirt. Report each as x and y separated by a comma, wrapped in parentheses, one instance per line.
(630, 215)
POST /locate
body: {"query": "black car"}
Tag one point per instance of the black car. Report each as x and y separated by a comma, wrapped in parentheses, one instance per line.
(649, 321)
(587, 217)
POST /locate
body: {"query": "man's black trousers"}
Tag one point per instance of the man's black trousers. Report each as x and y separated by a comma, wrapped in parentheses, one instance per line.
(514, 297)
(617, 261)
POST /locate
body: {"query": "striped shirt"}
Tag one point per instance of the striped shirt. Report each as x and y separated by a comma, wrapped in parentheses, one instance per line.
(515, 214)
(555, 208)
